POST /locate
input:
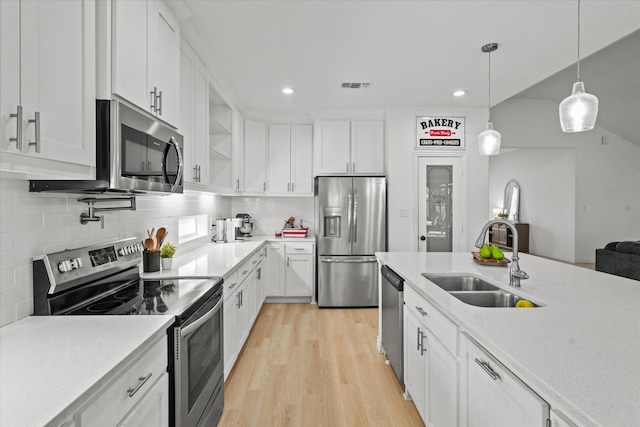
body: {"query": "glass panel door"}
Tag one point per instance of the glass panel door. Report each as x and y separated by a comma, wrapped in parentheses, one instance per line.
(440, 204)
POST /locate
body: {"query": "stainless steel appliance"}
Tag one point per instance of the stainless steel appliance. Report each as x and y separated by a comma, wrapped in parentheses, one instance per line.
(135, 153)
(104, 280)
(392, 304)
(247, 226)
(351, 224)
(231, 233)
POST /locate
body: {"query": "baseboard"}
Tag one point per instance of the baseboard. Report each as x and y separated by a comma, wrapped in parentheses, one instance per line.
(290, 300)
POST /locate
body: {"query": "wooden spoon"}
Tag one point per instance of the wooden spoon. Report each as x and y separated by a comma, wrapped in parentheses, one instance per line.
(160, 237)
(148, 243)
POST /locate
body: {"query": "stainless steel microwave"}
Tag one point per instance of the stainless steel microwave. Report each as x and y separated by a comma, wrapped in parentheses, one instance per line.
(135, 153)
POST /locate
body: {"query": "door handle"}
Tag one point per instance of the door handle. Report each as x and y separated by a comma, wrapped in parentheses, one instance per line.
(154, 99)
(18, 138)
(349, 261)
(36, 121)
(349, 215)
(189, 329)
(355, 214)
(172, 142)
(142, 381)
(160, 107)
(485, 365)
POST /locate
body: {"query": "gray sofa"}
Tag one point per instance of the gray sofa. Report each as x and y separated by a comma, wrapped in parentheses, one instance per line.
(620, 258)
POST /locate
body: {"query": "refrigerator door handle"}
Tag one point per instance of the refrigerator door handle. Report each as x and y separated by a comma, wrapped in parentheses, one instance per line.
(353, 261)
(355, 215)
(349, 217)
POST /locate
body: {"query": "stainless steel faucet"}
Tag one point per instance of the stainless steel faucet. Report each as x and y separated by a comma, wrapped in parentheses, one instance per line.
(515, 274)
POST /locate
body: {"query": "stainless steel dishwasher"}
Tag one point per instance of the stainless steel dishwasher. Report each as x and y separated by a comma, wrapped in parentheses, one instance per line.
(392, 313)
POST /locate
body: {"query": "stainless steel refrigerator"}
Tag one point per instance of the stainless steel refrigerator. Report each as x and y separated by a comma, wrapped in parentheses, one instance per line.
(351, 225)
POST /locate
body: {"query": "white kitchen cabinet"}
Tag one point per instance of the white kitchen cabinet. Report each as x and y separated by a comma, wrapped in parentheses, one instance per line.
(194, 117)
(431, 370)
(255, 157)
(492, 395)
(146, 57)
(290, 159)
(344, 147)
(54, 134)
(221, 134)
(139, 392)
(275, 269)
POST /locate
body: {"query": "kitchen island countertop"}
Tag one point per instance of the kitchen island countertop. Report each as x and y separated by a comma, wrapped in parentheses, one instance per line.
(51, 364)
(580, 351)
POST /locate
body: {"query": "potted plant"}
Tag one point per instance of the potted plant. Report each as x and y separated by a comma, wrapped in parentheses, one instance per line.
(167, 251)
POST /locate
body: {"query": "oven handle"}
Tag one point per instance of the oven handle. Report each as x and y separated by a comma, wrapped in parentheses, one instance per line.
(175, 186)
(195, 325)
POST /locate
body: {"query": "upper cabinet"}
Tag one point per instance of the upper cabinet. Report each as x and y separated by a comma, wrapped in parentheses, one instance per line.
(255, 157)
(343, 147)
(47, 87)
(146, 57)
(290, 159)
(221, 142)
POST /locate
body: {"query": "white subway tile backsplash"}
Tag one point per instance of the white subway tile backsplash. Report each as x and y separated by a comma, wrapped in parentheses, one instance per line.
(32, 224)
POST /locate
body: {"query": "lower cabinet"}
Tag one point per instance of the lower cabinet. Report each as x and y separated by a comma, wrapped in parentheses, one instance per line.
(431, 372)
(492, 395)
(291, 269)
(243, 295)
(139, 395)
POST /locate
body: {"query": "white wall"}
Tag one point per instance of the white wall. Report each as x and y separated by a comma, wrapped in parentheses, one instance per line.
(33, 224)
(402, 178)
(270, 213)
(607, 176)
(547, 199)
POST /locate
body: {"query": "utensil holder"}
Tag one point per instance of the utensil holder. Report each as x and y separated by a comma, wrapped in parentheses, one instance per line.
(150, 261)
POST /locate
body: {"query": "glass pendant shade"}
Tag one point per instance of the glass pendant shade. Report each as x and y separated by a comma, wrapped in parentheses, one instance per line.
(578, 112)
(489, 141)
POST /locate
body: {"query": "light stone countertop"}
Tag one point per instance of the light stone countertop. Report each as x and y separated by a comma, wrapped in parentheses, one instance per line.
(216, 259)
(580, 352)
(50, 364)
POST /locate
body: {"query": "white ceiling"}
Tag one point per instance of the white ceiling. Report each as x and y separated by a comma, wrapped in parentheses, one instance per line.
(415, 53)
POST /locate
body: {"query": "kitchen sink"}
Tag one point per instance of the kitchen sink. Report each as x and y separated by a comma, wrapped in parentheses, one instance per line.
(488, 299)
(461, 283)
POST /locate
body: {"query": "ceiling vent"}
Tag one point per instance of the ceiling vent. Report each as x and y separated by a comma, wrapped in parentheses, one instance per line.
(356, 85)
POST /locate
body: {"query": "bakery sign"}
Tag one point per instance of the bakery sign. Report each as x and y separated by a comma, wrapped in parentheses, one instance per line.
(441, 132)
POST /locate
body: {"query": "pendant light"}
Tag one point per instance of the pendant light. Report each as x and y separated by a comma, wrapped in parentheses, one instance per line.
(578, 111)
(489, 140)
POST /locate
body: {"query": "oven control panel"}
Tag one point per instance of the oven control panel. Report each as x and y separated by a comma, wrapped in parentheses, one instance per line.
(66, 268)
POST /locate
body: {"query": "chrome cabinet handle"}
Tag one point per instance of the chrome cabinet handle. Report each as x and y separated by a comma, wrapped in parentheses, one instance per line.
(288, 187)
(160, 108)
(287, 261)
(245, 272)
(421, 311)
(18, 138)
(264, 186)
(238, 298)
(423, 350)
(347, 167)
(231, 286)
(241, 298)
(259, 273)
(195, 173)
(154, 99)
(419, 340)
(149, 165)
(142, 381)
(238, 184)
(36, 120)
(485, 365)
(353, 168)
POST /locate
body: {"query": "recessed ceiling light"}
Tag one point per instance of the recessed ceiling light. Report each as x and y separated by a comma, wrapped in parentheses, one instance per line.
(459, 93)
(288, 90)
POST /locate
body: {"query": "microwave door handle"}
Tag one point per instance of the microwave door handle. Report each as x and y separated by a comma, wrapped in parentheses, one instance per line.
(172, 142)
(189, 329)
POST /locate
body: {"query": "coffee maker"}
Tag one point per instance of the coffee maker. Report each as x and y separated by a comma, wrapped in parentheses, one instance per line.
(247, 226)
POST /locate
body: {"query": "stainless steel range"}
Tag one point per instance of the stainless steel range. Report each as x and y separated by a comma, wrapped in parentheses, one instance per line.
(104, 280)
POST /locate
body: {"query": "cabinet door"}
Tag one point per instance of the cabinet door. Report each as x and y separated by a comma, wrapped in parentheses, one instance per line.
(332, 147)
(280, 147)
(244, 311)
(57, 63)
(299, 276)
(129, 75)
(164, 61)
(187, 108)
(9, 74)
(275, 270)
(302, 159)
(230, 320)
(255, 155)
(367, 147)
(492, 396)
(153, 409)
(201, 123)
(442, 380)
(415, 361)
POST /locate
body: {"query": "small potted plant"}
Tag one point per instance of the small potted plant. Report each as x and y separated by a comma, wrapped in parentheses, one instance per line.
(167, 251)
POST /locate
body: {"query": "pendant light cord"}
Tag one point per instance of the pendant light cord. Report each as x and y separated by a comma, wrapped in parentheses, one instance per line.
(489, 97)
(578, 41)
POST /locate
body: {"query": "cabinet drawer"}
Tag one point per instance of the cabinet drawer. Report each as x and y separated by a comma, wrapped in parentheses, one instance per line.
(299, 248)
(115, 401)
(230, 284)
(442, 328)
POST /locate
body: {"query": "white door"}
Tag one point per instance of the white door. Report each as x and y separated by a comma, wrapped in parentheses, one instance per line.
(299, 275)
(301, 159)
(441, 204)
(332, 147)
(275, 270)
(153, 408)
(367, 147)
(255, 157)
(279, 159)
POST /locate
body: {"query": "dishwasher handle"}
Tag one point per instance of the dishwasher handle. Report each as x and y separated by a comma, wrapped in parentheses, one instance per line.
(391, 277)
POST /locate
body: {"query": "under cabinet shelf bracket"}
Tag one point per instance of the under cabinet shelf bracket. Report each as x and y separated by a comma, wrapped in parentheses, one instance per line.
(86, 217)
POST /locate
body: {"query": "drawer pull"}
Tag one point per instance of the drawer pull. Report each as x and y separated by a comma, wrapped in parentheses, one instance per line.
(231, 286)
(421, 311)
(245, 272)
(142, 381)
(485, 365)
(255, 261)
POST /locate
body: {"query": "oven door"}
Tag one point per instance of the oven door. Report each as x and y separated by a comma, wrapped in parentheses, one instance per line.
(199, 366)
(147, 153)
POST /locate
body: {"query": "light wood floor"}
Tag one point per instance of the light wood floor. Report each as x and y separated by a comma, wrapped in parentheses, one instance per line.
(305, 366)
